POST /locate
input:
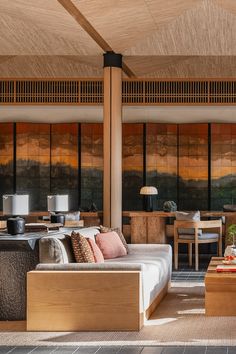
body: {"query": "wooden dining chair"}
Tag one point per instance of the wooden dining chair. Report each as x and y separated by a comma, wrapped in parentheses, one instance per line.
(196, 238)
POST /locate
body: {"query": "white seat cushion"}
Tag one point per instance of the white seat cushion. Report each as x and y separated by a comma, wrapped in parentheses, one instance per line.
(156, 262)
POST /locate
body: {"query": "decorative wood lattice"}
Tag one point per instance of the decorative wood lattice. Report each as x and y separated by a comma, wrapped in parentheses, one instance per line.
(51, 91)
(134, 92)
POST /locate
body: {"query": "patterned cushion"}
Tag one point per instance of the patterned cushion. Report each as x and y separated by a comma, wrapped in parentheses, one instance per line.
(104, 229)
(82, 250)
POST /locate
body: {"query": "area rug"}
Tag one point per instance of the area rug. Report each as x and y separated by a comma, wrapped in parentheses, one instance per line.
(179, 320)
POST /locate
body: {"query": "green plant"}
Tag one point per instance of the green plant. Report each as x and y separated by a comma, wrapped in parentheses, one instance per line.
(231, 234)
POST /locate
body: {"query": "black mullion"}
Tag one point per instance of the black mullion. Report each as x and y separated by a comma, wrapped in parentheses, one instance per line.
(14, 158)
(79, 165)
(209, 166)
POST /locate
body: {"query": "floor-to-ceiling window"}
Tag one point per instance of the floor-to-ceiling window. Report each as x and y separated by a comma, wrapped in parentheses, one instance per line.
(6, 159)
(91, 165)
(132, 165)
(223, 165)
(193, 166)
(33, 163)
(64, 161)
(161, 161)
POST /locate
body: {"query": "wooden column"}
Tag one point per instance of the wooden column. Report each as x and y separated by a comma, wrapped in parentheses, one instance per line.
(112, 135)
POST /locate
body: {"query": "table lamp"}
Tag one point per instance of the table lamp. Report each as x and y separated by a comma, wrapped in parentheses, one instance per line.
(56, 205)
(15, 205)
(148, 192)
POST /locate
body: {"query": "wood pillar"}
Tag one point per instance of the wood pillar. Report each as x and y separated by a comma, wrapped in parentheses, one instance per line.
(112, 135)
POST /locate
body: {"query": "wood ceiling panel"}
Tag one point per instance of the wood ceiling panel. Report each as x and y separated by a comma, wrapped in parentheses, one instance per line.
(165, 11)
(41, 27)
(183, 66)
(120, 22)
(229, 5)
(51, 67)
(203, 30)
(4, 58)
(146, 65)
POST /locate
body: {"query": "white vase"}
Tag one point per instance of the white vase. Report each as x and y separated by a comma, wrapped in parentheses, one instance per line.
(230, 251)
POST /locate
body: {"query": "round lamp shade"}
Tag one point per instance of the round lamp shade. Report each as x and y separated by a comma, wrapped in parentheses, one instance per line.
(15, 204)
(148, 190)
(58, 203)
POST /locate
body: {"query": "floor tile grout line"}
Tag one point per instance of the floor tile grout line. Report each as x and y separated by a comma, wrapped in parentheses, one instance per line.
(10, 351)
(77, 348)
(54, 350)
(32, 350)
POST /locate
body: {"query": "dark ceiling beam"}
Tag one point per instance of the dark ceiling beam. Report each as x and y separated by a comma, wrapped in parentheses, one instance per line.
(91, 31)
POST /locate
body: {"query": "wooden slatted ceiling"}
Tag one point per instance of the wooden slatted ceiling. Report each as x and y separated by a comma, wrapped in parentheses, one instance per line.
(134, 92)
(158, 29)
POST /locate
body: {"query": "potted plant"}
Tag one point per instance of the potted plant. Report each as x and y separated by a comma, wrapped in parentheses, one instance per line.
(231, 235)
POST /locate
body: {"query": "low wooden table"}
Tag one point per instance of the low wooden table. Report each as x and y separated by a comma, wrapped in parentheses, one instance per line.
(220, 291)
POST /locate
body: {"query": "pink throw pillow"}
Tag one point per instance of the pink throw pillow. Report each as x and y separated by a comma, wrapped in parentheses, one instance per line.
(110, 245)
(98, 256)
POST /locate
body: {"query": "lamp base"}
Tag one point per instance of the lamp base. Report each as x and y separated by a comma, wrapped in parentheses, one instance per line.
(15, 226)
(148, 204)
(58, 219)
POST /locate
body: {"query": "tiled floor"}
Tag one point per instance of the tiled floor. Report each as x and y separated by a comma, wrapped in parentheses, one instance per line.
(118, 350)
(186, 273)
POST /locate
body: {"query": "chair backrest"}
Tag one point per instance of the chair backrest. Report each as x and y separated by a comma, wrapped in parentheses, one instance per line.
(196, 225)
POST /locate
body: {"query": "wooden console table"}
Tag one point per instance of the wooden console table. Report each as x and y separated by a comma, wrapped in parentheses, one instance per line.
(148, 227)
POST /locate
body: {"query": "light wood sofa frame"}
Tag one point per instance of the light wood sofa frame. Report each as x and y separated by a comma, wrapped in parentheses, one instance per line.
(86, 301)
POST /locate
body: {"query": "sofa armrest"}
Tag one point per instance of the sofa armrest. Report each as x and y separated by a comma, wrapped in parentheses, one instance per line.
(90, 266)
(84, 300)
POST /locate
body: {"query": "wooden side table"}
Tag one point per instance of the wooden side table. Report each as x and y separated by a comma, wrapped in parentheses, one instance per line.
(220, 291)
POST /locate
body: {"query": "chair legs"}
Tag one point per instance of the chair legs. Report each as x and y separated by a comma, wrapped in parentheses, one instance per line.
(190, 254)
(196, 257)
(176, 254)
(220, 247)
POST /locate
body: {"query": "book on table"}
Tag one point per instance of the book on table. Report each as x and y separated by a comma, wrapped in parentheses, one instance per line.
(226, 268)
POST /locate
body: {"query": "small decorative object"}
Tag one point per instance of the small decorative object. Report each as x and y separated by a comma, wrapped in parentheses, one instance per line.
(57, 204)
(169, 206)
(15, 205)
(148, 192)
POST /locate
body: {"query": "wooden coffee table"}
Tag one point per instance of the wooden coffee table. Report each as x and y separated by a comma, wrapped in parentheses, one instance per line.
(220, 291)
